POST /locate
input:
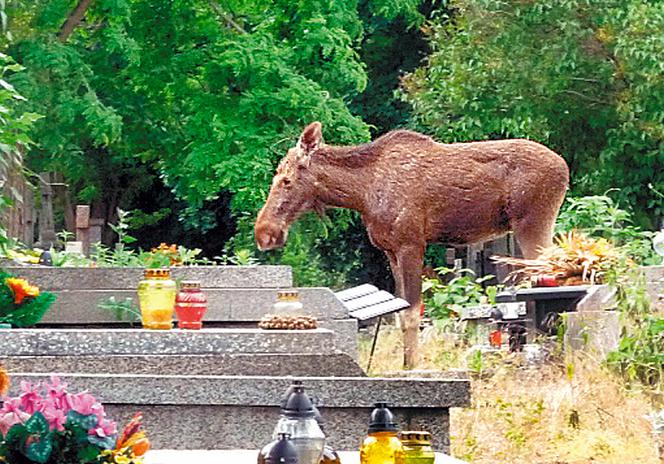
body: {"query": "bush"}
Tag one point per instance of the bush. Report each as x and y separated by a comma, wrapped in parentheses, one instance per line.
(443, 300)
(640, 354)
(600, 216)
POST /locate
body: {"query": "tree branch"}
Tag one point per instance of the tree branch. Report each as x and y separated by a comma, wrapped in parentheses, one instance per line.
(74, 20)
(586, 97)
(226, 17)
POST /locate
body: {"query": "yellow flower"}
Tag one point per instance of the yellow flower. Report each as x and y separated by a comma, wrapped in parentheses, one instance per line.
(21, 289)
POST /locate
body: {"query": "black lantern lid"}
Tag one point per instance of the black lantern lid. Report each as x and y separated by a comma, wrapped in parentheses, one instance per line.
(298, 404)
(283, 451)
(289, 392)
(382, 419)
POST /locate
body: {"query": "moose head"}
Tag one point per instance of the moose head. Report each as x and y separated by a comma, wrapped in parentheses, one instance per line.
(294, 191)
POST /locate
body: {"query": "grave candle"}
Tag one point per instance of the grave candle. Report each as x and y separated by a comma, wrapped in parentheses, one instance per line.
(156, 297)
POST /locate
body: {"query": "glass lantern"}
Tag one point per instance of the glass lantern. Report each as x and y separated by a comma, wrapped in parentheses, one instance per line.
(156, 297)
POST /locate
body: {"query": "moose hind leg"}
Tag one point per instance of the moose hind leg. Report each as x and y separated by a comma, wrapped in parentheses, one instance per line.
(409, 263)
(534, 231)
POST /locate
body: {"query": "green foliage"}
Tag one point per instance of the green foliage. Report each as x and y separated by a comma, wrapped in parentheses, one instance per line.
(600, 216)
(122, 310)
(640, 354)
(582, 76)
(203, 96)
(33, 442)
(15, 125)
(5, 240)
(26, 314)
(443, 300)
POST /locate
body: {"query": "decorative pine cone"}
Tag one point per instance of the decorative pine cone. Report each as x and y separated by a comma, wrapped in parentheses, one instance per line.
(288, 322)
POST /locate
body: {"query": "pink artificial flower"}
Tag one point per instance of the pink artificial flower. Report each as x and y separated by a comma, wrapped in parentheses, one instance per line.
(86, 404)
(11, 414)
(30, 399)
(56, 418)
(57, 393)
(106, 428)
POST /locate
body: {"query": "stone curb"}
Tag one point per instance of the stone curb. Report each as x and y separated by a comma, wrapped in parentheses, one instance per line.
(26, 342)
(329, 392)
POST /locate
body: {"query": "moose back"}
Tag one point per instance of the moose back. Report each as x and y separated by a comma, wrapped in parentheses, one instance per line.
(411, 190)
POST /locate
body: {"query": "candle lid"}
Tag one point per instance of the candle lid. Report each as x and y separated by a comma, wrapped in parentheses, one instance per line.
(289, 295)
(382, 419)
(283, 451)
(191, 285)
(160, 273)
(298, 404)
(416, 436)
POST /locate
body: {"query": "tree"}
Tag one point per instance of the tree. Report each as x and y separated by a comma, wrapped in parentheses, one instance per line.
(582, 76)
(196, 100)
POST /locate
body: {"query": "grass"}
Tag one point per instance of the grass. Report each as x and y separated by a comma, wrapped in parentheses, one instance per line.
(558, 412)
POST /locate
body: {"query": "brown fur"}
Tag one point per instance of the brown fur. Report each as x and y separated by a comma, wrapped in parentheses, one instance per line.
(411, 190)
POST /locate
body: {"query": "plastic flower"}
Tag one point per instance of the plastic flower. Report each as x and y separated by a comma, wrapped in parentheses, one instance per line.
(4, 381)
(21, 289)
(133, 438)
(56, 392)
(11, 414)
(170, 251)
(105, 428)
(56, 417)
(30, 399)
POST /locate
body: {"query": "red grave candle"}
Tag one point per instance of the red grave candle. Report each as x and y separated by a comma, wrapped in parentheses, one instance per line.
(190, 305)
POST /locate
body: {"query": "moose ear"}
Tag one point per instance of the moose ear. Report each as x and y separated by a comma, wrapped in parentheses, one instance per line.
(311, 138)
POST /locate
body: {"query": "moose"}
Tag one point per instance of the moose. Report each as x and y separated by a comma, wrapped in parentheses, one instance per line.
(411, 190)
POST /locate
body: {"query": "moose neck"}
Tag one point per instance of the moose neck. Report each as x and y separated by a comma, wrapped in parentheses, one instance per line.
(342, 177)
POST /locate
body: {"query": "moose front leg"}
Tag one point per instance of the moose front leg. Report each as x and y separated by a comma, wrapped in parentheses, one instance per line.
(409, 263)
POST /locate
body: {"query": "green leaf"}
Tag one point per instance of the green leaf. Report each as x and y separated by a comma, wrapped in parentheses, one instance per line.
(37, 424)
(17, 435)
(80, 420)
(40, 451)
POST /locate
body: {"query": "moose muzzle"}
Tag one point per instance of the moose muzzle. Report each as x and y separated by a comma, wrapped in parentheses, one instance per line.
(270, 236)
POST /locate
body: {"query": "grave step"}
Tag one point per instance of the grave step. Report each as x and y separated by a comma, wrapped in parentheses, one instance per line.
(224, 305)
(231, 412)
(126, 278)
(305, 365)
(78, 342)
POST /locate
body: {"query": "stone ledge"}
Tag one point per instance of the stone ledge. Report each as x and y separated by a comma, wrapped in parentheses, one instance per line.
(232, 427)
(329, 392)
(26, 342)
(115, 278)
(224, 305)
(224, 364)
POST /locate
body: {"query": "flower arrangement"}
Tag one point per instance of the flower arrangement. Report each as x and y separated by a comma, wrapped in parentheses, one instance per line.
(47, 425)
(22, 304)
(574, 259)
(170, 252)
